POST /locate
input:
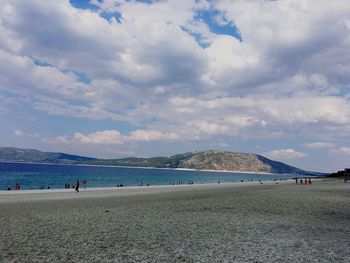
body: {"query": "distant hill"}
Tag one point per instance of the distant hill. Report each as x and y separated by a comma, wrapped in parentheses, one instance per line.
(10, 154)
(200, 160)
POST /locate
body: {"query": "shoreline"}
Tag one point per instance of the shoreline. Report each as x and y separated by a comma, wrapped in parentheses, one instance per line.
(127, 188)
(155, 188)
(131, 187)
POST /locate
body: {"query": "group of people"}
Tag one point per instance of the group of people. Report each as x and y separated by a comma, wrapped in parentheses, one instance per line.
(141, 184)
(303, 181)
(181, 182)
(75, 186)
(17, 187)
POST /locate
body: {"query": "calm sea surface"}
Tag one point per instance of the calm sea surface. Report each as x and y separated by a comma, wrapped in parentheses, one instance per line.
(35, 176)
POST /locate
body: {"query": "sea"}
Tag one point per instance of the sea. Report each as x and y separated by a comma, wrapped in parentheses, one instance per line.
(56, 176)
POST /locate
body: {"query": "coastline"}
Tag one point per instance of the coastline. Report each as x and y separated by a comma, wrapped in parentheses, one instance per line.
(96, 192)
(125, 188)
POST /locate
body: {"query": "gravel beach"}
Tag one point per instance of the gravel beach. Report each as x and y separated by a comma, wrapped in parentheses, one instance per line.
(249, 222)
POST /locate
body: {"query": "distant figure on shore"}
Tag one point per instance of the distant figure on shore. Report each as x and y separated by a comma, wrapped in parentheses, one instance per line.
(84, 183)
(18, 187)
(310, 181)
(77, 186)
(296, 180)
(301, 180)
(305, 181)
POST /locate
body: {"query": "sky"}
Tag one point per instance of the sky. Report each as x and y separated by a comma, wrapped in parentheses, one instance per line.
(117, 78)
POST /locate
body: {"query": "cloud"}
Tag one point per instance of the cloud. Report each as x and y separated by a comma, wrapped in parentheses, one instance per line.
(170, 70)
(115, 137)
(284, 154)
(144, 135)
(340, 151)
(36, 79)
(20, 133)
(319, 145)
(57, 107)
(206, 127)
(101, 137)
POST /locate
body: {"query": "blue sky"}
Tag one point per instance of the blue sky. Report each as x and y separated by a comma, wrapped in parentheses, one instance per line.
(116, 78)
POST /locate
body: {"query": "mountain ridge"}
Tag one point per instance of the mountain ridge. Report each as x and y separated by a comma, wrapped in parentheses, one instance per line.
(197, 160)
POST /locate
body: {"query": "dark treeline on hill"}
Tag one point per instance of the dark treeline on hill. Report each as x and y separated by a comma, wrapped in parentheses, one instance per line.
(337, 174)
(199, 160)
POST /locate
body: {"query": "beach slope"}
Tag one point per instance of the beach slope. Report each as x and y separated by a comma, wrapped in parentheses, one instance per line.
(200, 223)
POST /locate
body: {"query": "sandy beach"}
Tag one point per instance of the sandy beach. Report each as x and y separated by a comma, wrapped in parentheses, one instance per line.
(246, 222)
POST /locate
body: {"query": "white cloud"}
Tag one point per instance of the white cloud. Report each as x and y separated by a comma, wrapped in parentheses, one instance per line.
(340, 151)
(144, 135)
(37, 80)
(319, 145)
(208, 127)
(164, 71)
(284, 154)
(115, 137)
(20, 133)
(101, 137)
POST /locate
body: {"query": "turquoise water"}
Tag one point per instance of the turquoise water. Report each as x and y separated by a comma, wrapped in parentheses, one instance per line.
(35, 176)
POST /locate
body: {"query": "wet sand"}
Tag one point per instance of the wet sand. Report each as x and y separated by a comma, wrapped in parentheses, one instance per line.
(272, 222)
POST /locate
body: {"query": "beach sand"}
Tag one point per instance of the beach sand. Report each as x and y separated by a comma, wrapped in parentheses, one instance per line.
(272, 222)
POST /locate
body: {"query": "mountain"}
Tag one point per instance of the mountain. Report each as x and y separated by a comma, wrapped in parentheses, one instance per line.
(10, 154)
(200, 160)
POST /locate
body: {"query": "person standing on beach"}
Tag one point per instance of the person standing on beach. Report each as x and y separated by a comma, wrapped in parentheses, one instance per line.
(77, 186)
(84, 183)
